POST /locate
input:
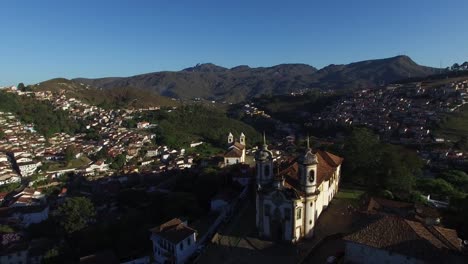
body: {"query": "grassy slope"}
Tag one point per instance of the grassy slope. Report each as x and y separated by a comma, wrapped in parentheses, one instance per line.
(111, 98)
(456, 124)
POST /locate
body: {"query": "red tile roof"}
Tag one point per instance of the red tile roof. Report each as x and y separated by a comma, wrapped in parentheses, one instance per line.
(174, 231)
(327, 164)
(408, 238)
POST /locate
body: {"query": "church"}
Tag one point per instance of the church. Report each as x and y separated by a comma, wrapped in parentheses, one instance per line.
(236, 150)
(289, 202)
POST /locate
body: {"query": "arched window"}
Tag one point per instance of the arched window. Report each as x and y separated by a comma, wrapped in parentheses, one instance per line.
(311, 175)
(266, 170)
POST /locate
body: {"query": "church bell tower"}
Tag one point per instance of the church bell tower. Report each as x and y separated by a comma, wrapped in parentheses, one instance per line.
(264, 165)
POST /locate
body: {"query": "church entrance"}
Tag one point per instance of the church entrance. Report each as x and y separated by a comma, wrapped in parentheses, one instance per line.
(276, 230)
(276, 226)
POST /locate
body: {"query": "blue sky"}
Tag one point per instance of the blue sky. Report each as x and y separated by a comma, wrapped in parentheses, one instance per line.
(40, 40)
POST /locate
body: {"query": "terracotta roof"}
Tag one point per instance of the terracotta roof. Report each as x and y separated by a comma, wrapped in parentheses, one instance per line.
(378, 203)
(327, 164)
(174, 230)
(408, 238)
(233, 153)
(237, 145)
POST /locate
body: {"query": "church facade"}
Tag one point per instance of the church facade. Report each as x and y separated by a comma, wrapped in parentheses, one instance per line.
(236, 150)
(289, 202)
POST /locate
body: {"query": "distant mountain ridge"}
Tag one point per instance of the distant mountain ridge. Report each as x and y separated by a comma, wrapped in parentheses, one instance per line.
(236, 84)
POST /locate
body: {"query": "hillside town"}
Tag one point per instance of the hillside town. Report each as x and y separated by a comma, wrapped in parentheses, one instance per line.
(114, 161)
(404, 114)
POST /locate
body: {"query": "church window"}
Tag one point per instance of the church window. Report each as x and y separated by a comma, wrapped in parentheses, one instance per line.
(181, 246)
(310, 222)
(267, 210)
(298, 213)
(188, 241)
(266, 170)
(237, 160)
(311, 204)
(287, 214)
(312, 176)
(227, 161)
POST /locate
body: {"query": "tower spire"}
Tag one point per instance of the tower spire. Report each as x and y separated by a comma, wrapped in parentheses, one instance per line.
(308, 141)
(264, 138)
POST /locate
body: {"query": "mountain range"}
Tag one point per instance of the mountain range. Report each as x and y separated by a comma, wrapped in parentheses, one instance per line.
(236, 84)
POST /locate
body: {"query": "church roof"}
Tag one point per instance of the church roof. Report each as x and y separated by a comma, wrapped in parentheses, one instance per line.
(327, 164)
(233, 153)
(173, 230)
(237, 145)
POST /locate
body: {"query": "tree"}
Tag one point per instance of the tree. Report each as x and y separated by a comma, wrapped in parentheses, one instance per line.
(360, 153)
(21, 86)
(70, 153)
(74, 214)
(459, 179)
(436, 187)
(118, 162)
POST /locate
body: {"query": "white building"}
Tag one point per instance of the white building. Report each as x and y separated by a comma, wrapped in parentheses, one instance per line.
(173, 242)
(236, 150)
(28, 168)
(288, 204)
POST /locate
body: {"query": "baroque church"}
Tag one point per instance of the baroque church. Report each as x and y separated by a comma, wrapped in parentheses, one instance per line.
(236, 150)
(289, 202)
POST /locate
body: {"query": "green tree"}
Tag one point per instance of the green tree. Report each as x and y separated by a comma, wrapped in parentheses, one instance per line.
(436, 187)
(6, 229)
(21, 86)
(70, 153)
(361, 156)
(118, 162)
(74, 214)
(459, 179)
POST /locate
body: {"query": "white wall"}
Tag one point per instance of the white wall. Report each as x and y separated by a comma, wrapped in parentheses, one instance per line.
(358, 253)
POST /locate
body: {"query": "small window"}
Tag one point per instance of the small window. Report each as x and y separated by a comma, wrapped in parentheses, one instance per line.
(181, 246)
(298, 213)
(267, 210)
(188, 241)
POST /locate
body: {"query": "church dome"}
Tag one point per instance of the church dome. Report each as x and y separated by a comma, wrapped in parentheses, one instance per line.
(264, 154)
(308, 158)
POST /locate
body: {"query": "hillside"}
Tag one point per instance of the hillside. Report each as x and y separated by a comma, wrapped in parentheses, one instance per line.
(109, 98)
(213, 82)
(370, 73)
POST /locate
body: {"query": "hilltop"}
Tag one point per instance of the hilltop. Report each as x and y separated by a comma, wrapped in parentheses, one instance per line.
(236, 84)
(115, 97)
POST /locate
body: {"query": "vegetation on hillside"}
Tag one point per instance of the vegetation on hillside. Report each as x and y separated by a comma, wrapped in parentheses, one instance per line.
(118, 97)
(191, 123)
(46, 119)
(455, 126)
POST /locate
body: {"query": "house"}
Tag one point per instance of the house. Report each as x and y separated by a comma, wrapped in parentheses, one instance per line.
(392, 239)
(173, 242)
(28, 168)
(152, 152)
(236, 150)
